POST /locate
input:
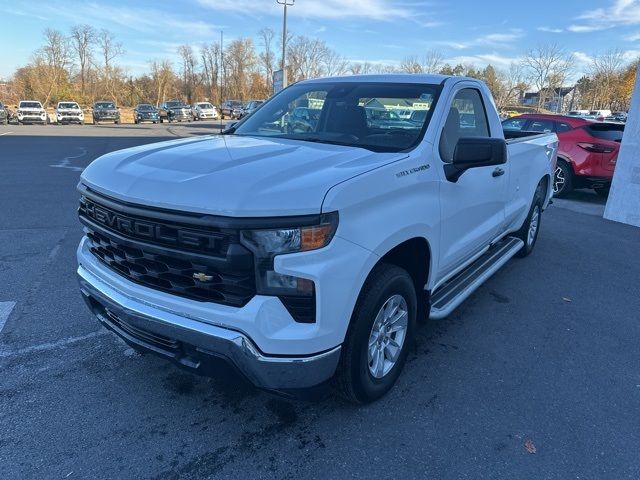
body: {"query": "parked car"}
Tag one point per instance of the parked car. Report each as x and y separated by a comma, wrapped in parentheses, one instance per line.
(600, 114)
(617, 117)
(236, 112)
(226, 110)
(588, 150)
(250, 107)
(69, 112)
(105, 111)
(145, 112)
(175, 111)
(301, 258)
(578, 113)
(4, 114)
(386, 119)
(204, 110)
(302, 119)
(31, 111)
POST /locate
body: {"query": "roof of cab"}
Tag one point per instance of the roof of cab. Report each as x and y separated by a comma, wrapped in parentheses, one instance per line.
(389, 78)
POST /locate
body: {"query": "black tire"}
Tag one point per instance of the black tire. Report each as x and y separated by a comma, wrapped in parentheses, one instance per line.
(116, 122)
(535, 215)
(602, 191)
(562, 179)
(354, 380)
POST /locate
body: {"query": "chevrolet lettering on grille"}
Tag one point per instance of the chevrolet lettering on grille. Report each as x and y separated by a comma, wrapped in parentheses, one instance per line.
(150, 231)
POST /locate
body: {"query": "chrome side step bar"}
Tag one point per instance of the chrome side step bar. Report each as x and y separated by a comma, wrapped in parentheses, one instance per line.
(455, 291)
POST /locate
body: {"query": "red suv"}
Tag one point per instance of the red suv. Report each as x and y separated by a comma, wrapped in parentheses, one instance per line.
(588, 150)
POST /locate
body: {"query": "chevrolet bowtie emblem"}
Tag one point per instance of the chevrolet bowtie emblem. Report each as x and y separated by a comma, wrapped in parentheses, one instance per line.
(202, 277)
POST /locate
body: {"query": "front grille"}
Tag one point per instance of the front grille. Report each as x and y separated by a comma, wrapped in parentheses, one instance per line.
(193, 262)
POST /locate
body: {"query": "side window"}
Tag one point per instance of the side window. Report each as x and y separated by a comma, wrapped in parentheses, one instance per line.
(467, 117)
(542, 126)
(562, 127)
(514, 124)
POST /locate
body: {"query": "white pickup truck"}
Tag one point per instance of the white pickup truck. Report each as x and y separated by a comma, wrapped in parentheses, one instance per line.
(303, 254)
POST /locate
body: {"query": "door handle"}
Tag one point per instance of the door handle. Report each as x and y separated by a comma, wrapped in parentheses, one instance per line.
(498, 172)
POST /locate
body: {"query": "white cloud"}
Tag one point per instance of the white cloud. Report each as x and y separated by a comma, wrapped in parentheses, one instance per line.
(621, 12)
(143, 20)
(495, 40)
(549, 30)
(483, 59)
(379, 10)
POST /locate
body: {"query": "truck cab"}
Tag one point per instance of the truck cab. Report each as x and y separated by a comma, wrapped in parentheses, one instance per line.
(305, 257)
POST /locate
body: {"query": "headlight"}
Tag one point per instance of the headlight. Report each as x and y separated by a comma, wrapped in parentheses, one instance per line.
(267, 244)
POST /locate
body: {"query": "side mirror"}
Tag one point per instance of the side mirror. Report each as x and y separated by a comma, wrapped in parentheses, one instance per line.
(474, 152)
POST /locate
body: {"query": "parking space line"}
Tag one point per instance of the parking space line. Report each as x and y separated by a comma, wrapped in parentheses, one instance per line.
(66, 161)
(5, 133)
(5, 311)
(43, 347)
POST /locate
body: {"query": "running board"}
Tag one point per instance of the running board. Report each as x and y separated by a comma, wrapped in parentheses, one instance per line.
(455, 291)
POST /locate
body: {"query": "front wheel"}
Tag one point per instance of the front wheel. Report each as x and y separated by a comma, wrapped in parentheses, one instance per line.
(380, 334)
(562, 180)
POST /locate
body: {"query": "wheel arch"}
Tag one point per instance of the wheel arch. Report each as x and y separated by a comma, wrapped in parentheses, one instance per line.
(414, 255)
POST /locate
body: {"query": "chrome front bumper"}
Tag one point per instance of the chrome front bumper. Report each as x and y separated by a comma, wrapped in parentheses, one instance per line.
(192, 344)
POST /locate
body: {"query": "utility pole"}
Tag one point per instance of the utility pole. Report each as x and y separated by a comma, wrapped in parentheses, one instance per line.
(220, 74)
(283, 65)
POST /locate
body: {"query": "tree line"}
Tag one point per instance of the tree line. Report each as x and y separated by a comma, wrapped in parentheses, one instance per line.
(83, 65)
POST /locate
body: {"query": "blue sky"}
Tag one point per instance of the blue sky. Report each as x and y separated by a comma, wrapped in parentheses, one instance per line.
(480, 32)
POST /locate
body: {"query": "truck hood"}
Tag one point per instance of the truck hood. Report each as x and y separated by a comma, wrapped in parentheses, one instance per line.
(230, 175)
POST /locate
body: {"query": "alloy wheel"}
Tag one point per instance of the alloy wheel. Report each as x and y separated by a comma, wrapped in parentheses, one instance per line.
(387, 336)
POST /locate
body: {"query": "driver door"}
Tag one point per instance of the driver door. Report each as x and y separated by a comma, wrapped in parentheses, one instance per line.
(473, 208)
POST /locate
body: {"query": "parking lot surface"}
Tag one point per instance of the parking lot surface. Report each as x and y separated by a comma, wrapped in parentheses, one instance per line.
(537, 375)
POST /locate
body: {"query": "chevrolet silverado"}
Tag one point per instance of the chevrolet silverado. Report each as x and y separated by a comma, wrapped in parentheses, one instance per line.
(305, 258)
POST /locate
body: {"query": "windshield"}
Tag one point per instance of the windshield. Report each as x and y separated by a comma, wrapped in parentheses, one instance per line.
(345, 113)
(30, 105)
(205, 106)
(69, 105)
(175, 104)
(146, 107)
(105, 105)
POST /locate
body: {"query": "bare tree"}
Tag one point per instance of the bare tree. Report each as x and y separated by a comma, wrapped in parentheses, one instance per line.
(161, 78)
(411, 65)
(189, 75)
(240, 64)
(109, 51)
(360, 68)
(267, 57)
(210, 56)
(432, 61)
(606, 70)
(306, 56)
(334, 63)
(547, 67)
(53, 60)
(83, 38)
(515, 86)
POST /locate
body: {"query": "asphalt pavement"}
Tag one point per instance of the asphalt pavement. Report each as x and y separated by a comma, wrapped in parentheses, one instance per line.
(537, 375)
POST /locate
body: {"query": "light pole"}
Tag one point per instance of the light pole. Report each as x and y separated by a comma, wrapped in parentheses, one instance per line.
(285, 3)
